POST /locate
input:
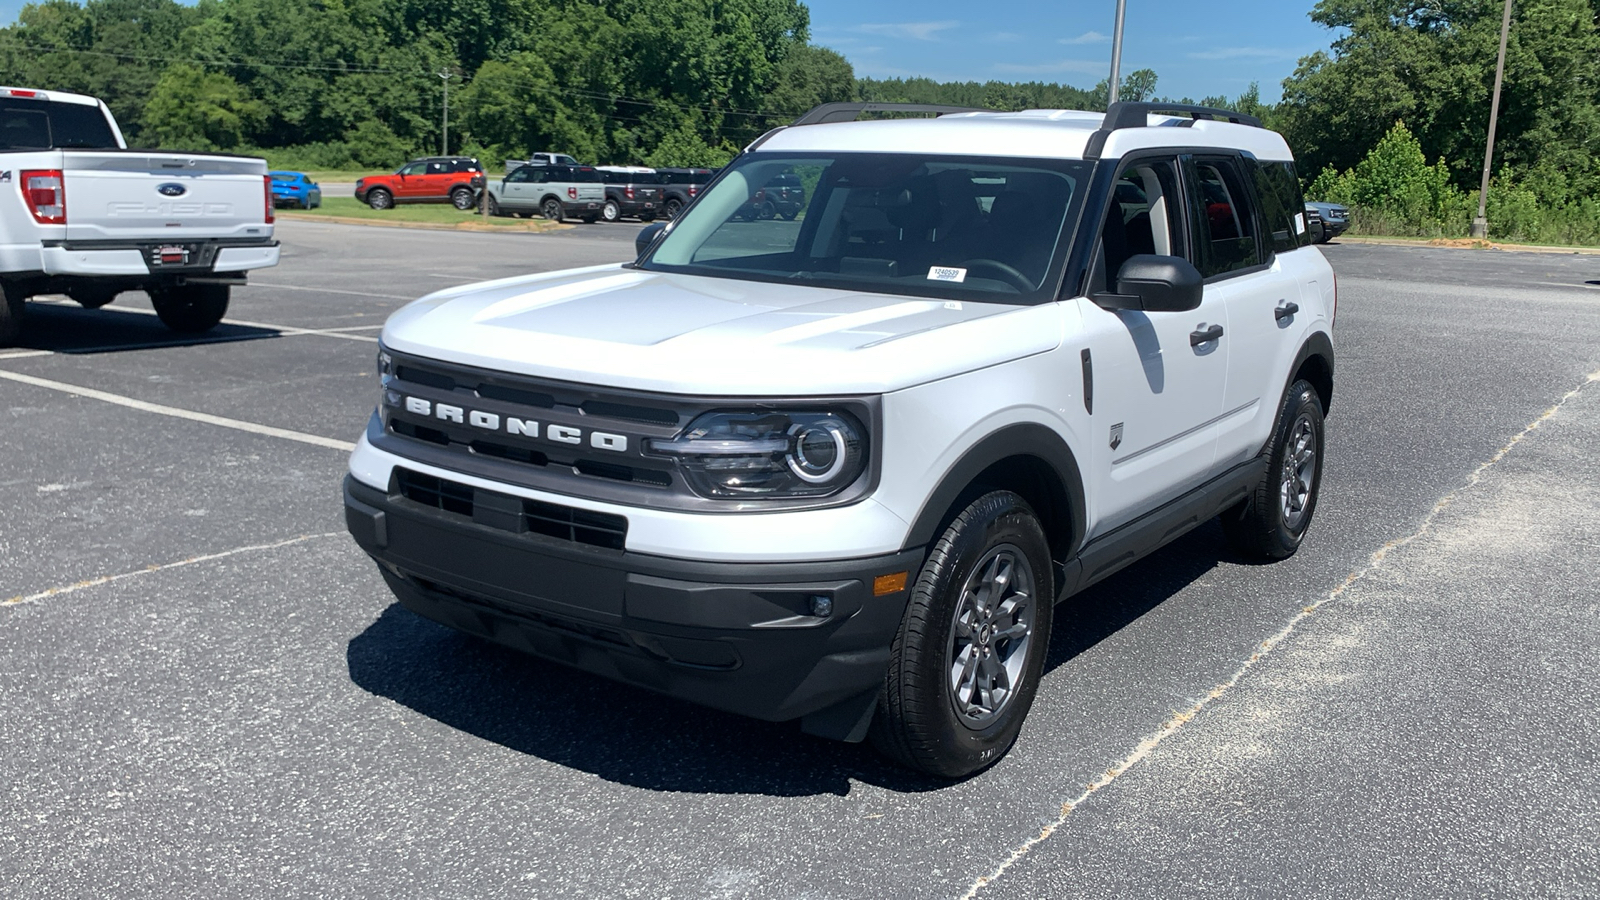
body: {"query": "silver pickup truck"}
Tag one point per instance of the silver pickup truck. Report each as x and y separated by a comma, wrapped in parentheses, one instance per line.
(82, 215)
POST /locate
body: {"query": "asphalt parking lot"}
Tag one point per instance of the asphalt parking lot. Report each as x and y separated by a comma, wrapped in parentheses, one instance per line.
(207, 689)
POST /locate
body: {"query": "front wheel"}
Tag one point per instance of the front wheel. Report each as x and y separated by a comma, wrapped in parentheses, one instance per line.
(611, 212)
(378, 198)
(1272, 522)
(461, 198)
(191, 308)
(967, 660)
(494, 206)
(552, 210)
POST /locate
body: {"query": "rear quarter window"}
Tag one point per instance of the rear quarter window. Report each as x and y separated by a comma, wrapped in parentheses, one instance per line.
(1282, 205)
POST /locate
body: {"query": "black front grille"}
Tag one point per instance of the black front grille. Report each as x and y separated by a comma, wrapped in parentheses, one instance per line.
(513, 514)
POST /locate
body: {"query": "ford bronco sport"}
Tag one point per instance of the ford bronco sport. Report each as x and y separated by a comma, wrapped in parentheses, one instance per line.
(841, 469)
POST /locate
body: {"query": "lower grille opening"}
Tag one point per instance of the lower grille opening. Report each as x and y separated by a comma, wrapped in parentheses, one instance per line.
(622, 473)
(435, 492)
(581, 526)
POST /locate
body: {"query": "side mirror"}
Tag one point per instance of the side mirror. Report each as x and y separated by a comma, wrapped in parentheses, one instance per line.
(647, 236)
(1155, 284)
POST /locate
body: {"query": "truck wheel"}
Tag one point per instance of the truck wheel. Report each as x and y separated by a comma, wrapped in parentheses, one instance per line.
(12, 307)
(191, 308)
(1271, 523)
(611, 212)
(673, 207)
(552, 209)
(494, 206)
(378, 198)
(966, 662)
(93, 297)
(461, 198)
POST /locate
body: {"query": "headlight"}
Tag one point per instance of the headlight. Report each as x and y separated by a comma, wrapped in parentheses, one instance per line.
(768, 454)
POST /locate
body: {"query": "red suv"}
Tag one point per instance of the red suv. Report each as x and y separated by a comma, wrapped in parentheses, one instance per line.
(433, 179)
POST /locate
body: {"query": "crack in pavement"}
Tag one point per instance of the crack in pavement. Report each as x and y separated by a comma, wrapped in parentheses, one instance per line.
(1178, 719)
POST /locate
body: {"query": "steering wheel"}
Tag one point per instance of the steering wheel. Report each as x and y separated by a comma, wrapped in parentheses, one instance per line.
(1007, 273)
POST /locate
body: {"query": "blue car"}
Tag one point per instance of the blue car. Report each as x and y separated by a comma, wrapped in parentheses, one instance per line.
(295, 189)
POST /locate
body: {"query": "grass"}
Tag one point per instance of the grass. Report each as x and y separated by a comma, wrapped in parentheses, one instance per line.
(438, 215)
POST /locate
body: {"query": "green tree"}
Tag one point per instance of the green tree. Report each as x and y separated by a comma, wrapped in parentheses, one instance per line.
(193, 109)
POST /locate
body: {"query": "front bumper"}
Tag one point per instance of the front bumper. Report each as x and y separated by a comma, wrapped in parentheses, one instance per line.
(740, 637)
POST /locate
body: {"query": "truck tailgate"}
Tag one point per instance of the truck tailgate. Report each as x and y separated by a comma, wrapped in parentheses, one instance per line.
(138, 195)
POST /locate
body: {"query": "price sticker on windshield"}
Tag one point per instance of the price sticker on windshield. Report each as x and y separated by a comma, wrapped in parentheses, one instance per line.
(947, 273)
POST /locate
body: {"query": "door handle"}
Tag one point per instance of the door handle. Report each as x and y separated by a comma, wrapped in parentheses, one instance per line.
(1204, 335)
(1285, 311)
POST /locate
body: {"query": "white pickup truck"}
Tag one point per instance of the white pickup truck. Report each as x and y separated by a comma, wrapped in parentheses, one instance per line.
(83, 215)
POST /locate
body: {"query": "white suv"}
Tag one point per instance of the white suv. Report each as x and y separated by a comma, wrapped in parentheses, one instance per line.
(840, 469)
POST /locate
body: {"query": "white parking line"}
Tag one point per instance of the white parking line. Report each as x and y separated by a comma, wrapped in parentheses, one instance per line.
(323, 290)
(107, 579)
(175, 412)
(24, 354)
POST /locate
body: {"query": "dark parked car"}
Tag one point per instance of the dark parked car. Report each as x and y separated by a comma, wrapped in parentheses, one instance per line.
(680, 186)
(433, 179)
(783, 196)
(630, 191)
(1334, 219)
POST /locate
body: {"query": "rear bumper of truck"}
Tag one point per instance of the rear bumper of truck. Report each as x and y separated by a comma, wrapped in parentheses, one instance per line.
(773, 641)
(143, 258)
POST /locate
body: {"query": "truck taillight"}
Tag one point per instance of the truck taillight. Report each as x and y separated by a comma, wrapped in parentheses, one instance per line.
(266, 184)
(45, 194)
(693, 190)
(628, 192)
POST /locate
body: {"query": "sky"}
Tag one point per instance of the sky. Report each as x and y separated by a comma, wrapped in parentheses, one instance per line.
(1198, 49)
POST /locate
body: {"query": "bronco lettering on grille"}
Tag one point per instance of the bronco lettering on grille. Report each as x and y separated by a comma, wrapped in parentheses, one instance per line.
(488, 421)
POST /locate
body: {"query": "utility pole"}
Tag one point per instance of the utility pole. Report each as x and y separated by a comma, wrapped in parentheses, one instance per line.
(1480, 225)
(1116, 54)
(444, 136)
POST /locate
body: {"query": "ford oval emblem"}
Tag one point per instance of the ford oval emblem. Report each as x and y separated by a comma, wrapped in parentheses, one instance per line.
(172, 190)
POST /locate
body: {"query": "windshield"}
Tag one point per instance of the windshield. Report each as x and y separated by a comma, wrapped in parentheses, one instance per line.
(928, 225)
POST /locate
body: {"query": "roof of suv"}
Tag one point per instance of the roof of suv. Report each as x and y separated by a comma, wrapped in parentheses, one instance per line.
(1033, 133)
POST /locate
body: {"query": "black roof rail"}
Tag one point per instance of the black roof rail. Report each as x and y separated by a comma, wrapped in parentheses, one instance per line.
(1134, 114)
(1137, 115)
(849, 112)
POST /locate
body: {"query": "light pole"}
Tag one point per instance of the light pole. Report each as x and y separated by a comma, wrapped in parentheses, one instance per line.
(1480, 225)
(1116, 54)
(444, 136)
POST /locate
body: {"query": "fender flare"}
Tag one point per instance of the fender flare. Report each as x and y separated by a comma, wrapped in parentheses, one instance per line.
(1019, 439)
(1317, 345)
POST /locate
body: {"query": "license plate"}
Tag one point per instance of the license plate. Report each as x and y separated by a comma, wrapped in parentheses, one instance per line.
(171, 255)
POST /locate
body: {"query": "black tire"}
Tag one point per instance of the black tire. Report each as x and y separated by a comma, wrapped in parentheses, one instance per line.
(591, 219)
(494, 206)
(1271, 524)
(461, 198)
(93, 297)
(378, 198)
(789, 216)
(13, 304)
(922, 721)
(552, 210)
(647, 218)
(611, 212)
(672, 208)
(767, 211)
(191, 308)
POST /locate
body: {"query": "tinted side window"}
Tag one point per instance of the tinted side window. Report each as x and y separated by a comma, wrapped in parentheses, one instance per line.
(585, 175)
(557, 173)
(519, 176)
(438, 168)
(1282, 205)
(1224, 220)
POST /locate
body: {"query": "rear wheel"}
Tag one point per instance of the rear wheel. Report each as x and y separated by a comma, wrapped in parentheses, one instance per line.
(766, 211)
(551, 209)
(378, 198)
(93, 297)
(191, 308)
(966, 662)
(461, 198)
(673, 207)
(1273, 521)
(611, 212)
(12, 306)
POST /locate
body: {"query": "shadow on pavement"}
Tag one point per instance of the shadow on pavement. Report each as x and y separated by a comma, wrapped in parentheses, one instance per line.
(630, 736)
(69, 328)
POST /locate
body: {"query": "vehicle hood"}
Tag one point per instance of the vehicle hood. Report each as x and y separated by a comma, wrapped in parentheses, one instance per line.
(687, 334)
